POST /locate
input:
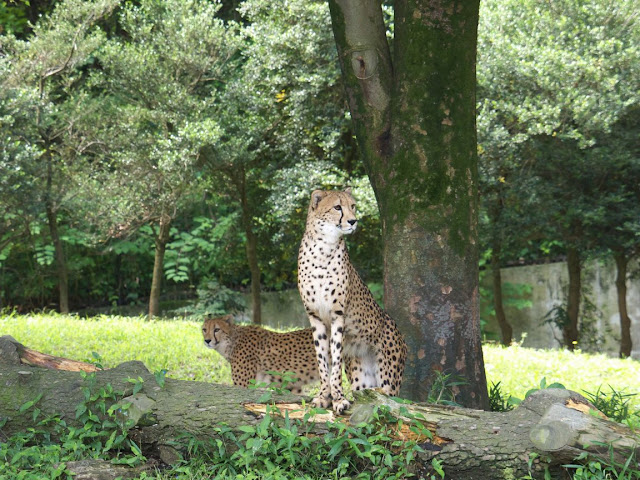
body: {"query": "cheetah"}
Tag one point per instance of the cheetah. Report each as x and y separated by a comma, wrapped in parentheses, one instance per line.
(348, 325)
(253, 351)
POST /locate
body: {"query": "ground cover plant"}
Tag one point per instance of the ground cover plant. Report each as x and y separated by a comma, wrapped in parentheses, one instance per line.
(176, 346)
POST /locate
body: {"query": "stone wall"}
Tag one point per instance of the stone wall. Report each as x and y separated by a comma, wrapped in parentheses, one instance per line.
(548, 286)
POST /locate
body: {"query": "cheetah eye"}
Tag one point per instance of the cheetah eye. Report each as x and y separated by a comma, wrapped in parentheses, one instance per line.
(216, 330)
(338, 207)
(353, 207)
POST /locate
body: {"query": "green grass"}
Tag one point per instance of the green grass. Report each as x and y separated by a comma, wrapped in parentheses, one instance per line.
(177, 346)
(520, 369)
(172, 345)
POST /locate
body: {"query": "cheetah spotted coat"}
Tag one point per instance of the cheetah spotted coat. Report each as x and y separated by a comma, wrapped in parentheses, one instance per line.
(253, 351)
(348, 325)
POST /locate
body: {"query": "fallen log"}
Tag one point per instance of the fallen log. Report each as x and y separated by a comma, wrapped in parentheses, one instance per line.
(557, 425)
(16, 352)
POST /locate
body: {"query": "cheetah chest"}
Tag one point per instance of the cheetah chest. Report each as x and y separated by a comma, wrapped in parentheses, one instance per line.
(323, 282)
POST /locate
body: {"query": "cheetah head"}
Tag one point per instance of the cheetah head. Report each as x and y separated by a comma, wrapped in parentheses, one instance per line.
(333, 212)
(216, 333)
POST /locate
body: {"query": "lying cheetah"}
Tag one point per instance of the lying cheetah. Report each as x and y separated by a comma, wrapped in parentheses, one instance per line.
(346, 320)
(253, 351)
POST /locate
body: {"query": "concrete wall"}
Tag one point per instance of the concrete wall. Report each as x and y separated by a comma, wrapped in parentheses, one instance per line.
(549, 285)
(280, 310)
(549, 282)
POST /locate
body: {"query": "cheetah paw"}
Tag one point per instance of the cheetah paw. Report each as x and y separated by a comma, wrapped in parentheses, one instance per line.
(321, 402)
(339, 406)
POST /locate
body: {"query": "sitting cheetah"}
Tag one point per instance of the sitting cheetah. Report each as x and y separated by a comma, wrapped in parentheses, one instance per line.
(253, 351)
(346, 320)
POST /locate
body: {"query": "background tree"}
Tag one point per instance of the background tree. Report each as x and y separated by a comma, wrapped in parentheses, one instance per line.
(160, 81)
(616, 225)
(554, 78)
(414, 116)
(281, 107)
(40, 85)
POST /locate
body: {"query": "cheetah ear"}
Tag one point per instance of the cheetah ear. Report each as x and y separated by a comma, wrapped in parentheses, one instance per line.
(316, 197)
(228, 319)
(347, 190)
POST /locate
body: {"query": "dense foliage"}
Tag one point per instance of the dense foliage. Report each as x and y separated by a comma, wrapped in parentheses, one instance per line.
(162, 125)
(196, 130)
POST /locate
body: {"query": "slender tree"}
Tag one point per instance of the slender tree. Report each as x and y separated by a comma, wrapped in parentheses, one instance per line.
(160, 85)
(414, 116)
(41, 82)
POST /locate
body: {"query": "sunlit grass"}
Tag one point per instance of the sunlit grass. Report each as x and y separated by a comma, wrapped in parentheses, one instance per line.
(520, 369)
(177, 346)
(172, 345)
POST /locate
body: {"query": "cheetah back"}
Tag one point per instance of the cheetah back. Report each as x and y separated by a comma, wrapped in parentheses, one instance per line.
(253, 351)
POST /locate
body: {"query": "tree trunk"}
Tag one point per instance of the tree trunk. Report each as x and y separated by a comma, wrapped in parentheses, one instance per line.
(570, 331)
(251, 247)
(505, 327)
(471, 444)
(625, 322)
(61, 261)
(162, 239)
(117, 274)
(415, 123)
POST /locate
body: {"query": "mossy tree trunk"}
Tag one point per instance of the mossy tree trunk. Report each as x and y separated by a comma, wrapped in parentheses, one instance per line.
(414, 116)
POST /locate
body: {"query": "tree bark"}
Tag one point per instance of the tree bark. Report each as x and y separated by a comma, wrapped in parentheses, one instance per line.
(415, 124)
(251, 246)
(471, 444)
(61, 261)
(162, 239)
(505, 327)
(625, 321)
(570, 332)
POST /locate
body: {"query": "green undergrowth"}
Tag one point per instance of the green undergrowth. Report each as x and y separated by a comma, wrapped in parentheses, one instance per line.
(44, 450)
(286, 449)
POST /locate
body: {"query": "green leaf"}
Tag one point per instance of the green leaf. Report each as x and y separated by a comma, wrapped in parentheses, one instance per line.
(247, 429)
(336, 447)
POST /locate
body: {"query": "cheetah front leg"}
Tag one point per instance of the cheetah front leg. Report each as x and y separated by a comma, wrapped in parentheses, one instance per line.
(321, 342)
(340, 403)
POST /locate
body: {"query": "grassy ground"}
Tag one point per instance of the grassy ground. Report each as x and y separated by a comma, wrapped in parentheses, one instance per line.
(172, 345)
(176, 346)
